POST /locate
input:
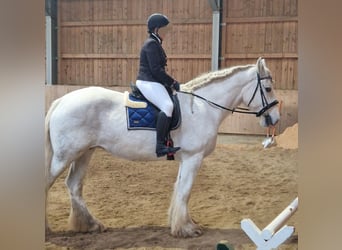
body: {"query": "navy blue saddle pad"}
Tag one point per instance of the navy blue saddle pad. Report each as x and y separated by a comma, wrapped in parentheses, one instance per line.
(145, 118)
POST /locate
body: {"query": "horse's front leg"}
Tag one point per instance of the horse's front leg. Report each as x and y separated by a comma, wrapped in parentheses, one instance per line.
(179, 218)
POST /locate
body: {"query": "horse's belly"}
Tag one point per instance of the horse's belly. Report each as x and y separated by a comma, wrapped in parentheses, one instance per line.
(130, 144)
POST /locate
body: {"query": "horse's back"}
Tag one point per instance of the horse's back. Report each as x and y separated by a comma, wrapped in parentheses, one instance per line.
(92, 94)
(87, 99)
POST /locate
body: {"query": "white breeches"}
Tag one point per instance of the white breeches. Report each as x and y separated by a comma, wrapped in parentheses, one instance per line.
(157, 94)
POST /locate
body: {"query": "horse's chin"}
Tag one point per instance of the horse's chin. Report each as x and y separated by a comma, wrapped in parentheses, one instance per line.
(270, 118)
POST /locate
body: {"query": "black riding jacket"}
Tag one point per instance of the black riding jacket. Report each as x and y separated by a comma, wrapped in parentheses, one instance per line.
(153, 62)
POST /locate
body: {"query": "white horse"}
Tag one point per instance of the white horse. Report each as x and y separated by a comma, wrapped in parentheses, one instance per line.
(92, 117)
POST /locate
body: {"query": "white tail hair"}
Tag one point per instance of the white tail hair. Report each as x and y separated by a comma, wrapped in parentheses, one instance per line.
(48, 146)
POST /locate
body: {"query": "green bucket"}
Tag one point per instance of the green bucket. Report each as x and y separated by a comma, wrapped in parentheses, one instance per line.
(224, 245)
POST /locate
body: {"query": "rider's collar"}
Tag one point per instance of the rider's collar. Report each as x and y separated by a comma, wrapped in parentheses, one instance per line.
(154, 35)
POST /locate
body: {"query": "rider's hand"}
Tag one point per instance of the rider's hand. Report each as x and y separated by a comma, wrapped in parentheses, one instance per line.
(176, 86)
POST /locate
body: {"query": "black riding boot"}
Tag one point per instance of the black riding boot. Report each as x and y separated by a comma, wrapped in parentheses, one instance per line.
(162, 126)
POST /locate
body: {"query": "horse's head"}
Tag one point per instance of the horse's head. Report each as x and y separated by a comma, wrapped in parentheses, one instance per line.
(260, 97)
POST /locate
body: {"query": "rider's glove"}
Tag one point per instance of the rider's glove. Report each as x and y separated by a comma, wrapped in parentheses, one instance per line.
(176, 86)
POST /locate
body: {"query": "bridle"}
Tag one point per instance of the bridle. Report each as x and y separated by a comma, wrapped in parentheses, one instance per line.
(265, 104)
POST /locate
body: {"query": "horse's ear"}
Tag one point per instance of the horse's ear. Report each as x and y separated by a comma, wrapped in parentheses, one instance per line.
(261, 66)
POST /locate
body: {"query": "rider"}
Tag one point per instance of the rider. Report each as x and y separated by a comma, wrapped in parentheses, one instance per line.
(153, 81)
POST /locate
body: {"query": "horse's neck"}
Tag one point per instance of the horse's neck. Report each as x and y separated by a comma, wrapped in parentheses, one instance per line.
(226, 92)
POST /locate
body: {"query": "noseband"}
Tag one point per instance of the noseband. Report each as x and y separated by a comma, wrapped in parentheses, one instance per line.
(265, 105)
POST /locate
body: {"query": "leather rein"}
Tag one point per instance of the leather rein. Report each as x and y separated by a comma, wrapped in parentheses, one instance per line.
(265, 104)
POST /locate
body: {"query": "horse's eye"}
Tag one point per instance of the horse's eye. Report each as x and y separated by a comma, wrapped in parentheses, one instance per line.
(268, 89)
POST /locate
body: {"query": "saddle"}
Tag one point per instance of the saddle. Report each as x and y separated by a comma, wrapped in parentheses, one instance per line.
(142, 114)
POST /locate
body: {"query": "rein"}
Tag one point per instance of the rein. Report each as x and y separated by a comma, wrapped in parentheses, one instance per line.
(266, 105)
(237, 109)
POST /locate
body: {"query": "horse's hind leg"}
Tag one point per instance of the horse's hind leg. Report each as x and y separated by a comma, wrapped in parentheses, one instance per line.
(80, 219)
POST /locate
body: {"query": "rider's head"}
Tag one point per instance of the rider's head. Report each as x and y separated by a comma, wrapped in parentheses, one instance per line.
(156, 21)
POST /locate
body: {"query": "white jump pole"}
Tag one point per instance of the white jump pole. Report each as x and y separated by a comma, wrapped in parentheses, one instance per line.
(274, 233)
(280, 220)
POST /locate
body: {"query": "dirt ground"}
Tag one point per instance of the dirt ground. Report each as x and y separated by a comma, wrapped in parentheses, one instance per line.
(240, 179)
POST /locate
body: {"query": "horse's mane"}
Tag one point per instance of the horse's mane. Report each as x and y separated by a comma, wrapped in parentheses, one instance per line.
(206, 78)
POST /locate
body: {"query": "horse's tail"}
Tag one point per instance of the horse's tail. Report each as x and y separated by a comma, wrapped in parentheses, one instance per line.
(48, 146)
(48, 156)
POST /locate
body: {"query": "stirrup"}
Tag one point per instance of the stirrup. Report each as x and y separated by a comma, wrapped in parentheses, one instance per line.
(166, 150)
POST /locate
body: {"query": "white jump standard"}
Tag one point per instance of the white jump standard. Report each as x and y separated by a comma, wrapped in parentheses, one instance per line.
(275, 233)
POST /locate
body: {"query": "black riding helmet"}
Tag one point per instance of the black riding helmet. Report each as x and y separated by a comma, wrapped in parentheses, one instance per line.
(156, 20)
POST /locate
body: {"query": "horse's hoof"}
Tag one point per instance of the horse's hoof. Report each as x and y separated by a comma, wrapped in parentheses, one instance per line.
(86, 226)
(97, 227)
(198, 232)
(191, 231)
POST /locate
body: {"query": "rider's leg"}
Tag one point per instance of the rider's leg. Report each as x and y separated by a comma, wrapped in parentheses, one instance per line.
(158, 95)
(163, 126)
